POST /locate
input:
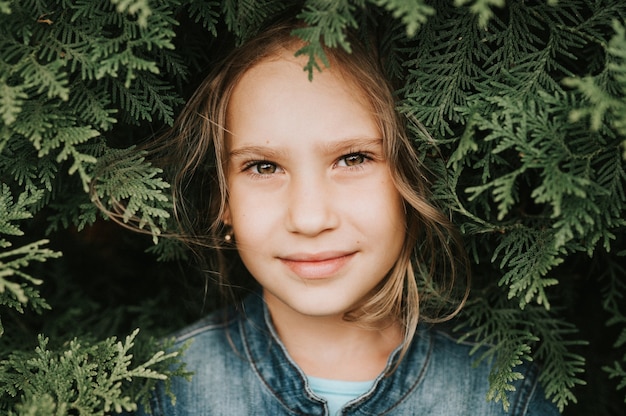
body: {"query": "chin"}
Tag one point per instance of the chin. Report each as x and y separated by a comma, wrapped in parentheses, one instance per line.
(324, 310)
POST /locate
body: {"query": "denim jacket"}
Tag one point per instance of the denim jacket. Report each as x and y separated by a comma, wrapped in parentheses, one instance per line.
(241, 368)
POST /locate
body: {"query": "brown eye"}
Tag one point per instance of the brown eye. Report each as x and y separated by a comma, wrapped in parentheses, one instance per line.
(264, 168)
(352, 159)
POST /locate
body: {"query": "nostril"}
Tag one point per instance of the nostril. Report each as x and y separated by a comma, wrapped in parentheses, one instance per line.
(310, 212)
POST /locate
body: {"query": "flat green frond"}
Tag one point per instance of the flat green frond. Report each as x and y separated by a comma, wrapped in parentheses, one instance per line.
(206, 12)
(503, 373)
(139, 8)
(562, 368)
(482, 8)
(326, 22)
(244, 17)
(618, 371)
(77, 211)
(12, 211)
(97, 108)
(50, 78)
(501, 338)
(466, 145)
(132, 190)
(604, 92)
(24, 169)
(11, 101)
(36, 121)
(504, 190)
(527, 256)
(5, 6)
(508, 336)
(146, 98)
(412, 13)
(16, 282)
(12, 265)
(65, 136)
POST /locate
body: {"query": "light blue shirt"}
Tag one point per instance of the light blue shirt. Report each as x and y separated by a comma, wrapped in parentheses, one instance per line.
(338, 393)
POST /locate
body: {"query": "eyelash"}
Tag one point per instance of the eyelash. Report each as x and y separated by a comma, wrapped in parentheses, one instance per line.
(366, 158)
(249, 167)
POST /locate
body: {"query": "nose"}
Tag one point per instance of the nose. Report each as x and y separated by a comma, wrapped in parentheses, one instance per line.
(311, 208)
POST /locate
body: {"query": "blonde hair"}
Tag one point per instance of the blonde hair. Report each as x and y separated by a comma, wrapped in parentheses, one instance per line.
(432, 258)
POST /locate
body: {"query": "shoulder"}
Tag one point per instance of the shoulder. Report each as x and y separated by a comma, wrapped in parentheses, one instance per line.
(457, 364)
(212, 350)
(208, 340)
(213, 324)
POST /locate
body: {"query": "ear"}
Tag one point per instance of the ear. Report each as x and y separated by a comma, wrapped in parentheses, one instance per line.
(225, 217)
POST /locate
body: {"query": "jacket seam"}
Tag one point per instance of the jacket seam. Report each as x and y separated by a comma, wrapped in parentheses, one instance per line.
(258, 374)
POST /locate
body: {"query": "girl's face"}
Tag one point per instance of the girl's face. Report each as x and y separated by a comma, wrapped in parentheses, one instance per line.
(316, 217)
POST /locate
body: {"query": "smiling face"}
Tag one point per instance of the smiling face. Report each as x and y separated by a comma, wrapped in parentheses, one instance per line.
(317, 219)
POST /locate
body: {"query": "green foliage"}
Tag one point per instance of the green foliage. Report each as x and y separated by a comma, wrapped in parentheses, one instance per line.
(525, 100)
(86, 379)
(605, 91)
(507, 348)
(534, 186)
(205, 12)
(412, 13)
(134, 189)
(513, 335)
(140, 8)
(17, 286)
(244, 18)
(69, 72)
(326, 24)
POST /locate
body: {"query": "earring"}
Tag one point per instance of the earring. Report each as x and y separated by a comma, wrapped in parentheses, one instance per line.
(228, 235)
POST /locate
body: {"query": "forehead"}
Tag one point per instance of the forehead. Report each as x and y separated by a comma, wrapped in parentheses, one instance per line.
(282, 69)
(276, 97)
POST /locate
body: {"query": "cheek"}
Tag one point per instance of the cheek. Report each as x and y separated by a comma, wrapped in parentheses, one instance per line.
(384, 202)
(252, 219)
(392, 220)
(395, 218)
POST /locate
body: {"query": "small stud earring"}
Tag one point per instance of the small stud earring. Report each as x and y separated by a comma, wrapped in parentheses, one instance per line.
(228, 233)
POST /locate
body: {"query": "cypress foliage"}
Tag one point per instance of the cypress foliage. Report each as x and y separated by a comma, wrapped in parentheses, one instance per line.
(525, 100)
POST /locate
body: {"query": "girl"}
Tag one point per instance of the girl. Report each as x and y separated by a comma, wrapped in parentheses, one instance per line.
(314, 188)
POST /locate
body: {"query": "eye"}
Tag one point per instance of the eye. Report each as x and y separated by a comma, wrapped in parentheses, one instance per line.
(262, 168)
(353, 159)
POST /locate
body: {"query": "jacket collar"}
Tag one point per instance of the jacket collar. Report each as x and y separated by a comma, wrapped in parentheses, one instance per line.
(288, 383)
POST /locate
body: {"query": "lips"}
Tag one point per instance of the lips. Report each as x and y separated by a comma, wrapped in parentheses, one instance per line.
(317, 266)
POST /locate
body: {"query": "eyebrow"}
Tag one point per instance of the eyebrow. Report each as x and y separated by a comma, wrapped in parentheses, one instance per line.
(267, 152)
(353, 144)
(342, 145)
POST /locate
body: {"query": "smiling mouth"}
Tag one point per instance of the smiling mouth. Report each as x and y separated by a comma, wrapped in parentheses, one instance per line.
(317, 267)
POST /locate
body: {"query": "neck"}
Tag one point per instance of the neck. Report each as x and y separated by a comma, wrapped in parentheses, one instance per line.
(332, 348)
